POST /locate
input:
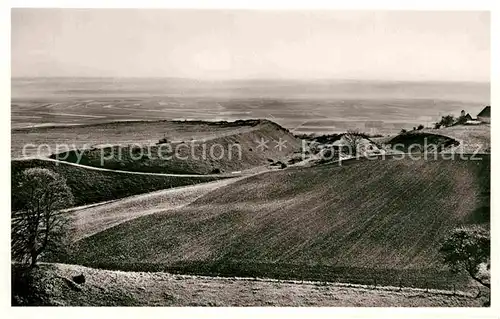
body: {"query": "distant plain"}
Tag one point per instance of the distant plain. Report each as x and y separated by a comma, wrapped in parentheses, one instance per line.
(304, 106)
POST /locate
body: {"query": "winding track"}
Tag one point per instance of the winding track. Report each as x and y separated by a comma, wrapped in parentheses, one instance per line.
(235, 174)
(89, 220)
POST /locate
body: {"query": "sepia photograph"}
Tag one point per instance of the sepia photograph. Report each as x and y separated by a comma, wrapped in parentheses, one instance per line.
(175, 157)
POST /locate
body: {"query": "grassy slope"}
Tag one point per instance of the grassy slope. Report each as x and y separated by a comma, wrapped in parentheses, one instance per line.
(199, 161)
(91, 186)
(379, 219)
(457, 139)
(53, 287)
(473, 138)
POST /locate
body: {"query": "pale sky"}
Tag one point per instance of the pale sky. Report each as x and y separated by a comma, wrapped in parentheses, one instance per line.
(228, 44)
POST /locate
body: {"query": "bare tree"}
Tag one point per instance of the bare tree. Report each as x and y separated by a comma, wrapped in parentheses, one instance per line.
(38, 225)
(352, 139)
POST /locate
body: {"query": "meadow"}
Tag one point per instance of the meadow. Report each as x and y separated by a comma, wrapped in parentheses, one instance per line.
(116, 288)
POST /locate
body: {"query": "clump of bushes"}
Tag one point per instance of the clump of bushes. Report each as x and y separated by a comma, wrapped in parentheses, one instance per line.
(447, 120)
(280, 164)
(162, 141)
(305, 136)
(295, 159)
(328, 138)
(415, 128)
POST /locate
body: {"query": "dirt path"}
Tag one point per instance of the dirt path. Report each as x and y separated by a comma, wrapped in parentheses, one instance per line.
(92, 219)
(235, 174)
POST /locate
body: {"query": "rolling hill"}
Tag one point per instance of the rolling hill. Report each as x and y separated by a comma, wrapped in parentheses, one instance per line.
(368, 220)
(233, 151)
(417, 141)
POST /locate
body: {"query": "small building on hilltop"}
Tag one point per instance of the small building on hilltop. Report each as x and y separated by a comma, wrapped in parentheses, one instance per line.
(485, 115)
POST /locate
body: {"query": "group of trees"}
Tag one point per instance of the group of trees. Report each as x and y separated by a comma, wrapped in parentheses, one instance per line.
(446, 121)
(449, 120)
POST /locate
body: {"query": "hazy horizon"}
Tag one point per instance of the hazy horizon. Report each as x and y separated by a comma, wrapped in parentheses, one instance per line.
(328, 106)
(221, 45)
(254, 79)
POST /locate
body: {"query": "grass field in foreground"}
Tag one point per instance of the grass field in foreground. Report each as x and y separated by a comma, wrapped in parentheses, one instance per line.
(92, 186)
(53, 287)
(372, 220)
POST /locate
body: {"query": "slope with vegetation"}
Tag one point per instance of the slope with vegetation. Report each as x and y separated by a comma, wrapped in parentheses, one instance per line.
(92, 186)
(418, 141)
(472, 138)
(365, 221)
(227, 153)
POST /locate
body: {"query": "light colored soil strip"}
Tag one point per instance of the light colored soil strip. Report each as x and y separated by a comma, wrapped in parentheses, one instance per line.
(96, 218)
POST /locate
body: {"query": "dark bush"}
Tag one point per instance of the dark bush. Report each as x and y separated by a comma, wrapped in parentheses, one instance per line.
(162, 141)
(79, 279)
(328, 138)
(279, 163)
